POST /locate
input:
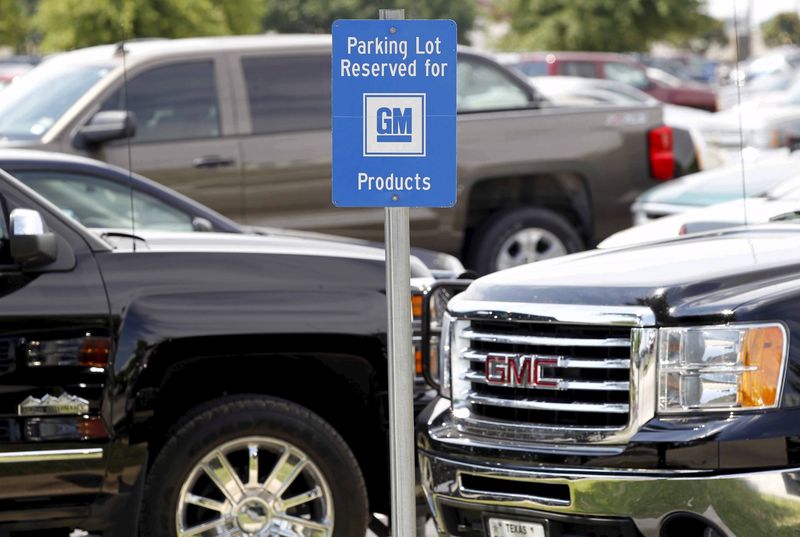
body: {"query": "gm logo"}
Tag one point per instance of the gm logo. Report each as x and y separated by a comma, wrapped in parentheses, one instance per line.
(394, 124)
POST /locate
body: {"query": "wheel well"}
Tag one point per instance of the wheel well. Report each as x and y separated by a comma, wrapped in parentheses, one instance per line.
(565, 194)
(334, 377)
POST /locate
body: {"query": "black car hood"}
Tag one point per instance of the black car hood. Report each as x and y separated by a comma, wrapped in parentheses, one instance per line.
(703, 276)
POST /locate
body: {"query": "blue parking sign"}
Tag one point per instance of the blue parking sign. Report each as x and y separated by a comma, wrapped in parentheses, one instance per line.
(394, 113)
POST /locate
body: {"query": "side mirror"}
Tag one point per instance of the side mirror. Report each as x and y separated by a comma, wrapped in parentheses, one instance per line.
(202, 224)
(105, 127)
(30, 245)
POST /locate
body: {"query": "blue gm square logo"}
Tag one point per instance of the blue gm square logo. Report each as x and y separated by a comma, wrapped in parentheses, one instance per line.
(394, 124)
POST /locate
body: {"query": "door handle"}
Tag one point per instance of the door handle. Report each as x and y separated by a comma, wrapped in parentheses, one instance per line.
(213, 161)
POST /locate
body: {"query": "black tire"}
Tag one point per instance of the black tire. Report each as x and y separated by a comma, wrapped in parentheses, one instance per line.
(485, 247)
(229, 419)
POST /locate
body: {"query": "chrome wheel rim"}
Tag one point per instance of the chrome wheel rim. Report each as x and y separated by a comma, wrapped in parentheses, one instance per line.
(527, 246)
(255, 487)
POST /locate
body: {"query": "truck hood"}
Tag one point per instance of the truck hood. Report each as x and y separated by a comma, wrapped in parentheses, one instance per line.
(699, 277)
(194, 242)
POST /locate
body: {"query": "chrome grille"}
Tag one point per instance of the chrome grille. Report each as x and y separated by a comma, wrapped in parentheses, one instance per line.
(591, 365)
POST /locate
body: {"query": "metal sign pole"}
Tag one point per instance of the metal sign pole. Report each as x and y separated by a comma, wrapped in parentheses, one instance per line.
(393, 87)
(401, 368)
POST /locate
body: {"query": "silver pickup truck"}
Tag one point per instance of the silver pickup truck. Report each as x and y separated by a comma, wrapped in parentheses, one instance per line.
(242, 124)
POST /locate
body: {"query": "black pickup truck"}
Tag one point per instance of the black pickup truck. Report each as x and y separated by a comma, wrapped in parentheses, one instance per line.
(650, 391)
(195, 385)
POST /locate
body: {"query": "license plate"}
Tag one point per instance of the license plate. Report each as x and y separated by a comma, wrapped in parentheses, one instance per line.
(502, 527)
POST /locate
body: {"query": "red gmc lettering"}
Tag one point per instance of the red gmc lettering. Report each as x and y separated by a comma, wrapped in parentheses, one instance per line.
(525, 371)
(520, 377)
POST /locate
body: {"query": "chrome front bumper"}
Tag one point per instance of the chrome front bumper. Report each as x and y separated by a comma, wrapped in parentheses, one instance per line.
(765, 503)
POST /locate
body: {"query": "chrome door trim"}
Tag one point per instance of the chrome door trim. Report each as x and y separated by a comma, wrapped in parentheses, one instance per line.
(49, 455)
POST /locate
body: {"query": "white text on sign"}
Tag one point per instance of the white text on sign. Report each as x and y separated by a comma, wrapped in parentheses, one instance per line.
(393, 48)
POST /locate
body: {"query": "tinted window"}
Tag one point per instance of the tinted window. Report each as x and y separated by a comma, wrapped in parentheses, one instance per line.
(173, 102)
(288, 94)
(629, 74)
(98, 202)
(482, 86)
(583, 69)
(531, 68)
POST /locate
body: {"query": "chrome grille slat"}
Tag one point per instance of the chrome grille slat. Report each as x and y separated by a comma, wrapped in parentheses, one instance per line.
(514, 339)
(532, 404)
(479, 378)
(477, 356)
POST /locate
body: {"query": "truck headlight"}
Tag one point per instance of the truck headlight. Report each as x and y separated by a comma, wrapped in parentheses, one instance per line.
(733, 367)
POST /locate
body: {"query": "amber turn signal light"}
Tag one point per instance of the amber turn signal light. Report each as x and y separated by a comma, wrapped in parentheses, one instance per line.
(762, 357)
(94, 351)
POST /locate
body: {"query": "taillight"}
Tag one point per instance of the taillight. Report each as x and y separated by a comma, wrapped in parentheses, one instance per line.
(662, 158)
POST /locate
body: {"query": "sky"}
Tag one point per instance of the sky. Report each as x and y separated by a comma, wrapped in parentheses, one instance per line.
(762, 9)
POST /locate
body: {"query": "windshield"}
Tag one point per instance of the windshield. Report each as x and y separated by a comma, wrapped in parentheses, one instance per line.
(31, 106)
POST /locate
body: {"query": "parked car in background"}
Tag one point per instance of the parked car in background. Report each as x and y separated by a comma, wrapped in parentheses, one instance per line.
(714, 186)
(533, 183)
(767, 88)
(612, 67)
(784, 59)
(781, 202)
(691, 151)
(769, 122)
(686, 67)
(105, 197)
(9, 72)
(13, 66)
(99, 195)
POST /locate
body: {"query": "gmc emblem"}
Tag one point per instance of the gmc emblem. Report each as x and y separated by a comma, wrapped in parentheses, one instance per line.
(520, 372)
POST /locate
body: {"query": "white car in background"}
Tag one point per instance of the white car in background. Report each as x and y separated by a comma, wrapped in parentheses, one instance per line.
(765, 123)
(578, 91)
(781, 202)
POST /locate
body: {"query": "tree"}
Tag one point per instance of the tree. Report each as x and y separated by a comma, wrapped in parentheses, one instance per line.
(710, 32)
(316, 16)
(604, 25)
(13, 24)
(68, 24)
(782, 29)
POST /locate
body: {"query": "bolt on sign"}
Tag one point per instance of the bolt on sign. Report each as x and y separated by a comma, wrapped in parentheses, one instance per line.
(394, 113)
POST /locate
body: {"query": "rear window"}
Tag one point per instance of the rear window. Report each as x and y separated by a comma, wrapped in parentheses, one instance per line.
(531, 68)
(483, 87)
(582, 69)
(288, 94)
